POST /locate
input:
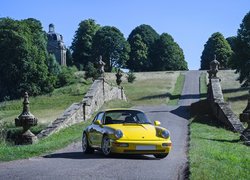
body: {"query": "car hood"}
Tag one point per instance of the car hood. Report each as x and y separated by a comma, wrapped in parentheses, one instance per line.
(137, 131)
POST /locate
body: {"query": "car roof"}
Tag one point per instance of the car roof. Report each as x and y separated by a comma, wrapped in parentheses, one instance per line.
(121, 109)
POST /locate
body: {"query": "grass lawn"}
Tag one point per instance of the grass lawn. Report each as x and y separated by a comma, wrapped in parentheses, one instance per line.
(232, 91)
(58, 140)
(149, 88)
(214, 152)
(47, 107)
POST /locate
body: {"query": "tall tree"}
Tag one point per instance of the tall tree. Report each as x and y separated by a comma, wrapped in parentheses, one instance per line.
(82, 42)
(69, 59)
(148, 36)
(110, 43)
(216, 45)
(232, 42)
(23, 58)
(242, 51)
(168, 55)
(138, 54)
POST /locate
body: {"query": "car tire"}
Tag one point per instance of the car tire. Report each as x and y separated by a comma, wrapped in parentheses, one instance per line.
(161, 156)
(106, 145)
(85, 145)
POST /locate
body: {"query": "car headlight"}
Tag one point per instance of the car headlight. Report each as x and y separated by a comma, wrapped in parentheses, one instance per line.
(165, 134)
(118, 134)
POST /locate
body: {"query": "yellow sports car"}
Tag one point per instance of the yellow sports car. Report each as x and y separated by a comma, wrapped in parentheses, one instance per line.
(126, 131)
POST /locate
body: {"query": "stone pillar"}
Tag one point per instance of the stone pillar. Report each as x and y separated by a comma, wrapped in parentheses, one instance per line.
(214, 68)
(121, 92)
(118, 77)
(212, 74)
(26, 120)
(245, 117)
(84, 110)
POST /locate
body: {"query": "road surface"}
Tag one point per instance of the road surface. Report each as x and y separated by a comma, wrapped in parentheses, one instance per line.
(70, 163)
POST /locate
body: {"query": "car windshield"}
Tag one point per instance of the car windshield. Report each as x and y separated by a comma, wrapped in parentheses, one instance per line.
(126, 117)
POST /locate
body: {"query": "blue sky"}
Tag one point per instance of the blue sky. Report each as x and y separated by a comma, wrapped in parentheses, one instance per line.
(189, 22)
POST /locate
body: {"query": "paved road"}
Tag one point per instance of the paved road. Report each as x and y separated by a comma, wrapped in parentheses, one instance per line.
(70, 163)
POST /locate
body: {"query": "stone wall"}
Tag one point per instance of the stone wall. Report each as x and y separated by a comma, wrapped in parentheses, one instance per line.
(220, 109)
(99, 92)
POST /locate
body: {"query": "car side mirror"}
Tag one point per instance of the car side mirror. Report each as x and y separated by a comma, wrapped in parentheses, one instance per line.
(98, 122)
(157, 123)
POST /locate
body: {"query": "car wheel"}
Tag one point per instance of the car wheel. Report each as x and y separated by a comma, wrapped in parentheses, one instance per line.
(161, 156)
(106, 146)
(85, 145)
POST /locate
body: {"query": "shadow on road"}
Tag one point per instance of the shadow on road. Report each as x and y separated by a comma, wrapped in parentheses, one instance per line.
(97, 155)
(182, 111)
(190, 96)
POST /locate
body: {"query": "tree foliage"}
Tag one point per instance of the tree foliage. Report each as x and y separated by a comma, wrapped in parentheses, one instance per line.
(216, 45)
(69, 59)
(53, 65)
(168, 55)
(110, 43)
(139, 53)
(23, 58)
(91, 71)
(241, 58)
(82, 42)
(139, 46)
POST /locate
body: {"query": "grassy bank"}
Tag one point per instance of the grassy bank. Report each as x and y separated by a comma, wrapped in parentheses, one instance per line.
(47, 107)
(176, 94)
(216, 153)
(58, 140)
(203, 85)
(149, 88)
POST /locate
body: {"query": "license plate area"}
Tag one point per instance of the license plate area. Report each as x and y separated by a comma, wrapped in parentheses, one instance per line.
(145, 147)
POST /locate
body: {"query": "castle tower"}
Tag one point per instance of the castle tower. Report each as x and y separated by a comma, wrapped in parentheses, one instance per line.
(56, 45)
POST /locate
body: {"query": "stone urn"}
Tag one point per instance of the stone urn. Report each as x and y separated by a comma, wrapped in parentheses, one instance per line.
(26, 120)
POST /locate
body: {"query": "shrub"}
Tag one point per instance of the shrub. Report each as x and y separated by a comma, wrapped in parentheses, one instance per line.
(67, 76)
(91, 71)
(131, 77)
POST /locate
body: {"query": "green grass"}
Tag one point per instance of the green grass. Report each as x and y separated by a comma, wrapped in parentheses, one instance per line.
(58, 140)
(176, 94)
(216, 153)
(203, 86)
(46, 107)
(154, 90)
(232, 91)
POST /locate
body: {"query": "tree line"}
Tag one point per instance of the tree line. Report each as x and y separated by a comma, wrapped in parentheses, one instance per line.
(144, 50)
(26, 64)
(232, 52)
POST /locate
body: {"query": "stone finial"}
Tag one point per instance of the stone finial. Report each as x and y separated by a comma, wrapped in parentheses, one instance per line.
(101, 65)
(214, 68)
(26, 120)
(118, 77)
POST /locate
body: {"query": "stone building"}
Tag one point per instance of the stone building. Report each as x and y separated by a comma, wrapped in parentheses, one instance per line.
(56, 45)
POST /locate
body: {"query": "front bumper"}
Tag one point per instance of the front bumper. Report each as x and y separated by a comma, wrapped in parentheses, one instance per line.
(141, 147)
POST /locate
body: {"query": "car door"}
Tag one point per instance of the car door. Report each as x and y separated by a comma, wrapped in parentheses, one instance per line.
(94, 131)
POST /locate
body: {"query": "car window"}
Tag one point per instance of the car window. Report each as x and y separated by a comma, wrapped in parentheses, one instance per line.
(125, 116)
(99, 117)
